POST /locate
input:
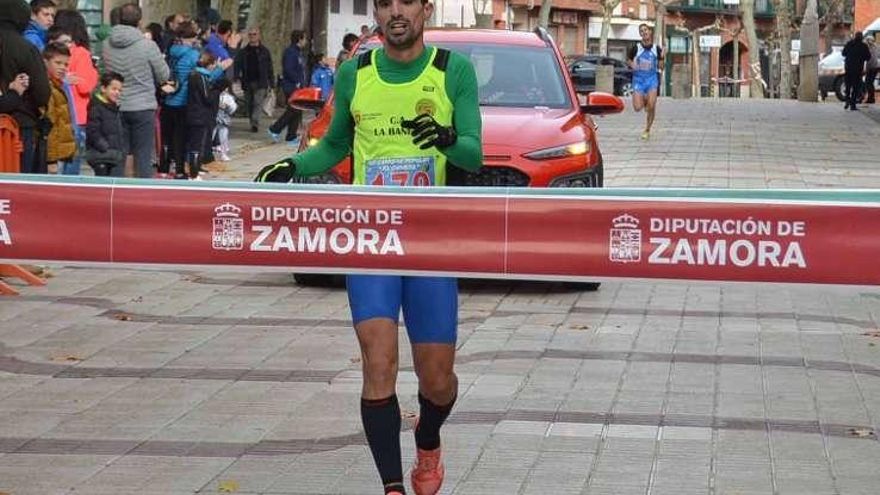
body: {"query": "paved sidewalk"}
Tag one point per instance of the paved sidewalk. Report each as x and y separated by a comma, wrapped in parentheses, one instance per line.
(119, 382)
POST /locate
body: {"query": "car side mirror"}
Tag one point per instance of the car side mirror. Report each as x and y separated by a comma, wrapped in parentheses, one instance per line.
(599, 103)
(307, 99)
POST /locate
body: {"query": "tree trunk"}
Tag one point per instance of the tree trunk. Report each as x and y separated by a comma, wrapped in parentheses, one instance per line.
(808, 65)
(275, 21)
(544, 14)
(659, 22)
(756, 89)
(783, 29)
(607, 10)
(228, 10)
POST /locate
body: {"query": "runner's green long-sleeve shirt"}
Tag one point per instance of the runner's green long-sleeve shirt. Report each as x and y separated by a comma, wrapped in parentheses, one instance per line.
(461, 87)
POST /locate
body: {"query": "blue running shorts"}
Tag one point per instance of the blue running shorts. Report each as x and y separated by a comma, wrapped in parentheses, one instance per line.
(645, 85)
(430, 304)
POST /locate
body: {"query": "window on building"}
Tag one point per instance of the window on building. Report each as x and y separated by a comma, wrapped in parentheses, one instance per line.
(93, 12)
(334, 6)
(360, 7)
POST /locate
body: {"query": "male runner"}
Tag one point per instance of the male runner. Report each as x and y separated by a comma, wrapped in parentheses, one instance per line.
(645, 60)
(401, 110)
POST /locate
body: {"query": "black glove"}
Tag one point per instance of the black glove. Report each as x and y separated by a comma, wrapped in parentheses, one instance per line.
(428, 132)
(277, 172)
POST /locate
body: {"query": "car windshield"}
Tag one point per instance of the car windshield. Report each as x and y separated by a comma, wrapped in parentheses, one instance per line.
(512, 76)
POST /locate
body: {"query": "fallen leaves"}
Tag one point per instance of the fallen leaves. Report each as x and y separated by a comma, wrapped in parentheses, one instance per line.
(228, 486)
(872, 333)
(860, 432)
(354, 360)
(122, 316)
(63, 358)
(579, 327)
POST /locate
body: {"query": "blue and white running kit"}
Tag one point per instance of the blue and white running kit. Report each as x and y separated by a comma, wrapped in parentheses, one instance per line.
(646, 75)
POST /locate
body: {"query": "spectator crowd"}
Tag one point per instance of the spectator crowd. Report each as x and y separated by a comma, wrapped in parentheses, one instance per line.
(160, 97)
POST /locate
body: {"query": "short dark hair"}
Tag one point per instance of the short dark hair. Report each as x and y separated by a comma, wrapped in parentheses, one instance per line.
(169, 20)
(115, 12)
(647, 26)
(858, 36)
(130, 14)
(186, 30)
(55, 32)
(110, 76)
(349, 40)
(296, 35)
(75, 24)
(224, 27)
(222, 84)
(155, 30)
(38, 5)
(55, 49)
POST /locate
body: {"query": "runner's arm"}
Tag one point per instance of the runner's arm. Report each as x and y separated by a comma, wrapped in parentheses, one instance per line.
(336, 144)
(461, 85)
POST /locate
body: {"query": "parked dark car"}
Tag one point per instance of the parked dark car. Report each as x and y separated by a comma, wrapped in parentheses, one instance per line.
(583, 74)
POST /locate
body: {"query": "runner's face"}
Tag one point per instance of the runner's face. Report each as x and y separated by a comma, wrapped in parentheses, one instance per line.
(646, 34)
(402, 21)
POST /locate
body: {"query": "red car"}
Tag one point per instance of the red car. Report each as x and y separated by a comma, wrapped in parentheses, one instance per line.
(535, 132)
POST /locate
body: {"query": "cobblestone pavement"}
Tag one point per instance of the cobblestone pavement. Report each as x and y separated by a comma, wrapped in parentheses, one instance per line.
(126, 381)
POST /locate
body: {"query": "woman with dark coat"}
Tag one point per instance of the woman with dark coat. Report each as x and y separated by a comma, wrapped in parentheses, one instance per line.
(201, 114)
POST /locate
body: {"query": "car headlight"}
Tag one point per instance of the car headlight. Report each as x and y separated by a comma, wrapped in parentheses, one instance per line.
(574, 149)
(311, 142)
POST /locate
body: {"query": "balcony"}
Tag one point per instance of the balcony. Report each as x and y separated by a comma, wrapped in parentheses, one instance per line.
(763, 8)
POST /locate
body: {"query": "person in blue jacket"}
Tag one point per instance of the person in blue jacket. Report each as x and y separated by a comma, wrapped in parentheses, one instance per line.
(293, 78)
(182, 59)
(42, 18)
(322, 76)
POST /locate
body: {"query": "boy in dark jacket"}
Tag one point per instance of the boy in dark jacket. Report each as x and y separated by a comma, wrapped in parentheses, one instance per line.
(201, 114)
(104, 141)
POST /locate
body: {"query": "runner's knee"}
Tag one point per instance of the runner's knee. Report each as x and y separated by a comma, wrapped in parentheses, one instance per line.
(380, 371)
(437, 384)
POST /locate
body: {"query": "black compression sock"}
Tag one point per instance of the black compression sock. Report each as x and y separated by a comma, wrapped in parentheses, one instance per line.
(381, 419)
(395, 487)
(431, 418)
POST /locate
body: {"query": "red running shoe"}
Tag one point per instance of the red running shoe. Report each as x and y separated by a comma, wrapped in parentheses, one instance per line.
(427, 474)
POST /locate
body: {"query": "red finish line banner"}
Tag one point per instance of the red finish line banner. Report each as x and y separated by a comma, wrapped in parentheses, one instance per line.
(537, 233)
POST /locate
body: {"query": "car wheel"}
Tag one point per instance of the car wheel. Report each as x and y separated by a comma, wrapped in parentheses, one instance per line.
(840, 88)
(626, 89)
(583, 286)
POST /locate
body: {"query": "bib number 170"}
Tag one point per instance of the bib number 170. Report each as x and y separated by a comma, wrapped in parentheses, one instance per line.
(418, 178)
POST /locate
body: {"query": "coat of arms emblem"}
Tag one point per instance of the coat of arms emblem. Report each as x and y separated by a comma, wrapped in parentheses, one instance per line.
(228, 228)
(625, 242)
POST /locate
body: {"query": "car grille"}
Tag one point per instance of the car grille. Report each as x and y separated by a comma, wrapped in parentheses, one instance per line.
(487, 177)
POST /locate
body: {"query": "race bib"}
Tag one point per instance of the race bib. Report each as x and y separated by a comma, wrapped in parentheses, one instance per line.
(416, 171)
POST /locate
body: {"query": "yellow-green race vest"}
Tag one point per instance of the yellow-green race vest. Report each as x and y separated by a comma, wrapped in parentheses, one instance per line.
(383, 152)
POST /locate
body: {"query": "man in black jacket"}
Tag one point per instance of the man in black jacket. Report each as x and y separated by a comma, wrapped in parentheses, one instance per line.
(855, 53)
(253, 67)
(19, 57)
